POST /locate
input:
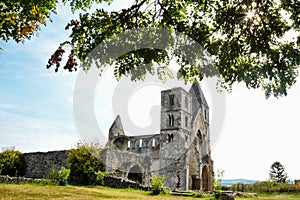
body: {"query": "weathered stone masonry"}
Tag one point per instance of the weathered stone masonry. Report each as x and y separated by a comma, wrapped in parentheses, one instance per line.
(181, 152)
(38, 164)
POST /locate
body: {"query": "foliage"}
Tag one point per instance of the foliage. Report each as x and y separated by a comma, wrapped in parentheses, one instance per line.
(100, 177)
(21, 19)
(59, 175)
(84, 164)
(157, 182)
(218, 179)
(63, 174)
(277, 172)
(11, 162)
(246, 40)
(53, 173)
(268, 186)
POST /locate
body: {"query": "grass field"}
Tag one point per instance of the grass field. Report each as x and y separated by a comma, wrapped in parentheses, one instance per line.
(283, 196)
(31, 191)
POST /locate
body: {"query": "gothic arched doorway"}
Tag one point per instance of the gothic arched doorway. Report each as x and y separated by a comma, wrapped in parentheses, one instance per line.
(136, 174)
(205, 178)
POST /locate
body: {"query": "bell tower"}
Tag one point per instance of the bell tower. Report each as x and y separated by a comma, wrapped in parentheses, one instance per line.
(175, 133)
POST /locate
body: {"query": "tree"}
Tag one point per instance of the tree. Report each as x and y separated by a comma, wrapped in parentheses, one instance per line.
(245, 39)
(277, 173)
(84, 164)
(21, 19)
(11, 162)
(218, 179)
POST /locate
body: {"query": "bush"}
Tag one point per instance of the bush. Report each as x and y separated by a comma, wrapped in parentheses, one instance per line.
(268, 186)
(59, 175)
(63, 174)
(100, 177)
(11, 162)
(84, 164)
(157, 182)
(225, 187)
(53, 173)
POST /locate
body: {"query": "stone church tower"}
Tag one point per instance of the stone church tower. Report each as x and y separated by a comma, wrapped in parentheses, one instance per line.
(174, 137)
(181, 152)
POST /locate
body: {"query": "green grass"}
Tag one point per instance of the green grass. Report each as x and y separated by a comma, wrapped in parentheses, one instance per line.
(278, 196)
(35, 191)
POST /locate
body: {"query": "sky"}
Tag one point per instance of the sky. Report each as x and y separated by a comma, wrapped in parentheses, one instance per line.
(36, 110)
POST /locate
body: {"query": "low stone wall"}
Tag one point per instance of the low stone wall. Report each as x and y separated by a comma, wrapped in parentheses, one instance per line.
(118, 182)
(38, 164)
(8, 179)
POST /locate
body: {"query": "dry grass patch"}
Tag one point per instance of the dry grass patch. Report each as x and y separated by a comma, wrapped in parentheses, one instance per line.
(30, 191)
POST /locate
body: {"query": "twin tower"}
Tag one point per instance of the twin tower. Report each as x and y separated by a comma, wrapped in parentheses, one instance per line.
(180, 153)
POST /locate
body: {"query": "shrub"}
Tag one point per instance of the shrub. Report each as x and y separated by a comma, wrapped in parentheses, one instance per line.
(100, 177)
(157, 182)
(63, 174)
(268, 186)
(217, 182)
(84, 164)
(59, 175)
(53, 173)
(11, 162)
(225, 187)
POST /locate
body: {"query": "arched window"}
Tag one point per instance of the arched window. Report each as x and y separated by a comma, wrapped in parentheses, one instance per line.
(200, 136)
(170, 137)
(171, 98)
(186, 122)
(141, 143)
(205, 114)
(186, 101)
(171, 120)
(153, 143)
(128, 144)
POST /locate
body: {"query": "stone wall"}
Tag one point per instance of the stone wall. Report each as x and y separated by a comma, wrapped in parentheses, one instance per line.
(38, 164)
(8, 179)
(123, 162)
(119, 182)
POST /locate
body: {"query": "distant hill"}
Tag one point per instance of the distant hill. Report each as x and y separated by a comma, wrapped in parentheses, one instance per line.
(230, 182)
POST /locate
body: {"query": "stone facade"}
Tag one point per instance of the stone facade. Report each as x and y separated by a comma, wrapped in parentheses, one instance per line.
(38, 164)
(119, 182)
(181, 152)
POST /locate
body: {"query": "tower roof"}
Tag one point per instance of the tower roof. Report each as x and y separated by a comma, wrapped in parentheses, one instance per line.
(117, 125)
(198, 99)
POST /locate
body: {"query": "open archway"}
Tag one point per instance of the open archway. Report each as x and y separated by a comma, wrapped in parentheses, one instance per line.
(205, 178)
(136, 174)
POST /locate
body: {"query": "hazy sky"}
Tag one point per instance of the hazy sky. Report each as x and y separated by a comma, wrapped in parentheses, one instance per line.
(36, 110)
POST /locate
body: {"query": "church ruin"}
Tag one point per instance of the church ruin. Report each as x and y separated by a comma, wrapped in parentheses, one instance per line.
(181, 152)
